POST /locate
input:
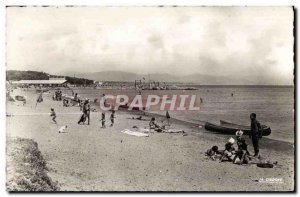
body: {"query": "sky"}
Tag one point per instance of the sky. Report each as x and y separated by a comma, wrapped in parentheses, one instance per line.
(254, 42)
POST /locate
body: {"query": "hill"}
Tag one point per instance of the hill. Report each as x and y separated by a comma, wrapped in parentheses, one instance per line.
(16, 75)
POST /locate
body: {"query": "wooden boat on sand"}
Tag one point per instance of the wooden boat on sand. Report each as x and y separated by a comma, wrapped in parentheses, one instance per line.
(231, 128)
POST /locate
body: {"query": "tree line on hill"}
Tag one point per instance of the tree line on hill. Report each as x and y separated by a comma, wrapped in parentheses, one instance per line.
(16, 75)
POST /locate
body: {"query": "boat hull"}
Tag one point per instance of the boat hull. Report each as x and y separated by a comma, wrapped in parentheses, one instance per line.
(230, 128)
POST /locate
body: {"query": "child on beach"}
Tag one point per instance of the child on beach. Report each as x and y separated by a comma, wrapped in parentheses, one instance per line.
(213, 152)
(112, 117)
(53, 114)
(229, 152)
(39, 99)
(242, 153)
(103, 120)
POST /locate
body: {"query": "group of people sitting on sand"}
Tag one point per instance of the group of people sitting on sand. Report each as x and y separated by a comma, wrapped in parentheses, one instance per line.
(159, 128)
(240, 155)
(57, 95)
(86, 110)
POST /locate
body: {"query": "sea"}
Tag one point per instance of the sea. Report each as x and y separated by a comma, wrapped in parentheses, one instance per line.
(273, 105)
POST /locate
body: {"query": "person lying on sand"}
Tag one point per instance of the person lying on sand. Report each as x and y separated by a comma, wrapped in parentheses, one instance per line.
(213, 152)
(139, 118)
(229, 152)
(154, 125)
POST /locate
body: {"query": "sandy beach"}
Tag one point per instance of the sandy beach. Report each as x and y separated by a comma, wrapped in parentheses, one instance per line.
(88, 158)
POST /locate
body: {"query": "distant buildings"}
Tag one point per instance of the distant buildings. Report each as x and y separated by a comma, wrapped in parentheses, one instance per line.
(51, 82)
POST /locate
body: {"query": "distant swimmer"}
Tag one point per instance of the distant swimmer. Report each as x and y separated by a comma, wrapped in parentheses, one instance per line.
(231, 94)
(53, 114)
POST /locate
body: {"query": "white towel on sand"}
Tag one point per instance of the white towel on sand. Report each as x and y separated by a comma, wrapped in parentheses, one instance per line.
(173, 131)
(62, 129)
(135, 133)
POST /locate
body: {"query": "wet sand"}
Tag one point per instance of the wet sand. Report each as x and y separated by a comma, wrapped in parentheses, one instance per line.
(88, 158)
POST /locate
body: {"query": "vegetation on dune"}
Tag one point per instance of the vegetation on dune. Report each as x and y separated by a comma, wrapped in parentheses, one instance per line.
(16, 75)
(25, 75)
(79, 81)
(26, 167)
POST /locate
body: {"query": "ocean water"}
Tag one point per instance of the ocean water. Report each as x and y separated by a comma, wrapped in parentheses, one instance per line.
(274, 106)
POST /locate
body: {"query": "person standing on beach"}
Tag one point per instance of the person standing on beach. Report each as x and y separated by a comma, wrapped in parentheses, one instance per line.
(53, 114)
(80, 103)
(104, 99)
(103, 120)
(112, 118)
(168, 118)
(75, 97)
(255, 134)
(39, 99)
(87, 110)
